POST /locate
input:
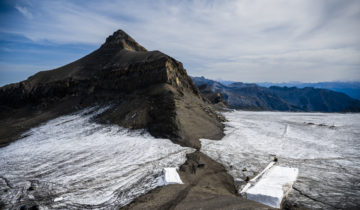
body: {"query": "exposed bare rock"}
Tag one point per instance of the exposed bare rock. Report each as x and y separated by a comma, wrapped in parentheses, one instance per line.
(148, 89)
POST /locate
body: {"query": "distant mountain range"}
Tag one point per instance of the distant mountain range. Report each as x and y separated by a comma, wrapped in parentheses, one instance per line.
(351, 89)
(255, 97)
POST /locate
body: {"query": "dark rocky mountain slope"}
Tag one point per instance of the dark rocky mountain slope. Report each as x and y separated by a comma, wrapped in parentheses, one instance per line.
(147, 89)
(253, 97)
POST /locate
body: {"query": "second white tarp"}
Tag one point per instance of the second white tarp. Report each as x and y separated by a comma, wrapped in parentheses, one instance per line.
(171, 176)
(273, 186)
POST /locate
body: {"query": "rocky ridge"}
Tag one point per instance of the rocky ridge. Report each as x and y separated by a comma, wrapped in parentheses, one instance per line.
(148, 90)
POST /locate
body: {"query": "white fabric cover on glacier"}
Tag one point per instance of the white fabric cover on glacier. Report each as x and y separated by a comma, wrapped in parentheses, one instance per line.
(171, 176)
(273, 186)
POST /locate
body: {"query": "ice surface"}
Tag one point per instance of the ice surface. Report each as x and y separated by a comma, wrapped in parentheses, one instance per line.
(171, 176)
(88, 165)
(323, 146)
(273, 186)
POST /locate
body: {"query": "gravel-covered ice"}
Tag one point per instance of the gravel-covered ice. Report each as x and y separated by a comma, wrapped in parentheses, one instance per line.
(323, 146)
(71, 162)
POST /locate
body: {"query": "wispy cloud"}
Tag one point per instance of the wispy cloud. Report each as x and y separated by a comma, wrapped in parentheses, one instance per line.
(245, 40)
(24, 11)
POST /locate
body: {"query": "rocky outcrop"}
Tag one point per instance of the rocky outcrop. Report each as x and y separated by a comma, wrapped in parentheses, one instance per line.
(214, 98)
(147, 89)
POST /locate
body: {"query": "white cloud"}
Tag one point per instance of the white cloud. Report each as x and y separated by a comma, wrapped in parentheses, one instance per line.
(251, 40)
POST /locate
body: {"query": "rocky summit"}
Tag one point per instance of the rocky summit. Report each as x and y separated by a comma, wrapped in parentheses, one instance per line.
(146, 90)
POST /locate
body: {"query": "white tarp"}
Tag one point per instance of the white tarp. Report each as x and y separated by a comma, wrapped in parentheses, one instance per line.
(254, 180)
(171, 176)
(273, 186)
(58, 199)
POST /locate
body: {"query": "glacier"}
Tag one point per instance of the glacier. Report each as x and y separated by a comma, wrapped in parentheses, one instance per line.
(323, 146)
(72, 162)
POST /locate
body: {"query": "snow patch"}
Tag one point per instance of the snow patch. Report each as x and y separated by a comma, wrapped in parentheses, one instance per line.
(273, 186)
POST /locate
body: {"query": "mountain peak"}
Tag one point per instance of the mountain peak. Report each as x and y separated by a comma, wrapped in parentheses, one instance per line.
(120, 39)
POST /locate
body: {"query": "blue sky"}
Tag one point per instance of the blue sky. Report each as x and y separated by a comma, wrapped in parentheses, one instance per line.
(244, 40)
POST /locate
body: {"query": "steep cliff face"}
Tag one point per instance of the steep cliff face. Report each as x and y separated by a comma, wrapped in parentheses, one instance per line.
(147, 89)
